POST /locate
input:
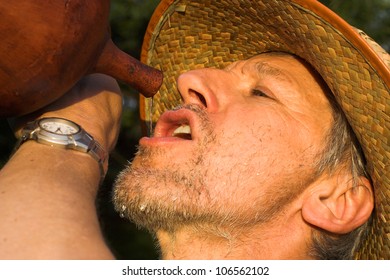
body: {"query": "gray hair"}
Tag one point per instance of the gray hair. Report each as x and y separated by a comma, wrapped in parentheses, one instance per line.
(342, 150)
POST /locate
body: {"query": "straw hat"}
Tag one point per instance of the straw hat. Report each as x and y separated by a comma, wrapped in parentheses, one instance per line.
(186, 34)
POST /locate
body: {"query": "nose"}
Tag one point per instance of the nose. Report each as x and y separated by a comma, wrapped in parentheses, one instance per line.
(199, 87)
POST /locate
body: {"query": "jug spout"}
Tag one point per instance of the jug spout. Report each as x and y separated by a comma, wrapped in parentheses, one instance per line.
(119, 65)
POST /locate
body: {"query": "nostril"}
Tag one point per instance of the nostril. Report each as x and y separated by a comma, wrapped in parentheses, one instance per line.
(200, 97)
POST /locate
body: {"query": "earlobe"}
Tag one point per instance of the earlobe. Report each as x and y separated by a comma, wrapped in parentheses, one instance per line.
(337, 206)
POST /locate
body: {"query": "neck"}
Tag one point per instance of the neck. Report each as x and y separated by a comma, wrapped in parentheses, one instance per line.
(264, 242)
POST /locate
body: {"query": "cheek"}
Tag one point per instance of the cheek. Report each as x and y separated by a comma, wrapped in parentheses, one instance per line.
(268, 145)
(238, 157)
(267, 136)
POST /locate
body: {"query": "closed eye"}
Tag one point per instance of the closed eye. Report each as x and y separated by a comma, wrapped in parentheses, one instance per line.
(257, 92)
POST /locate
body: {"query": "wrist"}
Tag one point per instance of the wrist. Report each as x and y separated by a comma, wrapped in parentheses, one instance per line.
(67, 167)
(60, 133)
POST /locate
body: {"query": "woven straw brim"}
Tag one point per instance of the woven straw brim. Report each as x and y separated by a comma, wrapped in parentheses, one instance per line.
(185, 35)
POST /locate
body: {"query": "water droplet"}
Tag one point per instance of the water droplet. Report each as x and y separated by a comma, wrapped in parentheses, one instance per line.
(151, 116)
(142, 207)
(122, 211)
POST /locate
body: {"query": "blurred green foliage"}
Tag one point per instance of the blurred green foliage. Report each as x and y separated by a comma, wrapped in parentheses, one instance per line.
(128, 20)
(372, 16)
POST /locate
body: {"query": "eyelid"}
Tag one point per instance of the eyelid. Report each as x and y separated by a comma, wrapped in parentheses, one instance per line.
(260, 91)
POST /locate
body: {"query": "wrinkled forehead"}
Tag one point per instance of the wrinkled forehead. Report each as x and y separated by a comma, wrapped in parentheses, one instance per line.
(271, 63)
(281, 66)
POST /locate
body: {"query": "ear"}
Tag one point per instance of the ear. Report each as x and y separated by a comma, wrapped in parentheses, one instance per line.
(337, 206)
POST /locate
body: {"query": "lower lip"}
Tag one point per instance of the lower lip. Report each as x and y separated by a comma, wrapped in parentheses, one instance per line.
(161, 141)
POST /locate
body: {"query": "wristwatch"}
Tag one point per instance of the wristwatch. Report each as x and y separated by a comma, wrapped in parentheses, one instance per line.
(63, 133)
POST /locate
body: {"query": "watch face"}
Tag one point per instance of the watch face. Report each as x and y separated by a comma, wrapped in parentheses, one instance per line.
(59, 126)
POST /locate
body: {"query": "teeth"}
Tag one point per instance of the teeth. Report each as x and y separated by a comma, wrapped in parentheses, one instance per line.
(183, 129)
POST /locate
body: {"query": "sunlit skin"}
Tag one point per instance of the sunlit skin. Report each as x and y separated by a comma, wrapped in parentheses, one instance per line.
(241, 185)
(257, 128)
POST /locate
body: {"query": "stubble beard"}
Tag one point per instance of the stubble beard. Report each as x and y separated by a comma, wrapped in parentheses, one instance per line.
(176, 196)
(156, 198)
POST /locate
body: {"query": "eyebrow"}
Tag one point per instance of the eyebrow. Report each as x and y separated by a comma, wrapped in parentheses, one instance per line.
(264, 69)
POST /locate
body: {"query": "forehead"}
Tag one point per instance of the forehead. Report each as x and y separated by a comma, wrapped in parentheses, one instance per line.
(287, 69)
(274, 64)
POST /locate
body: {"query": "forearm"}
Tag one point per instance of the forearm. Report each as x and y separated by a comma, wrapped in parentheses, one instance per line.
(47, 205)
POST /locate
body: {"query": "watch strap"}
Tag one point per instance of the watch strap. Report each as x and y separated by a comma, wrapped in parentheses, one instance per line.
(98, 153)
(84, 143)
(27, 131)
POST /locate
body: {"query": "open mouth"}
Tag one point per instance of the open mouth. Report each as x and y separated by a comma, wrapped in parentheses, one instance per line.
(183, 131)
(178, 124)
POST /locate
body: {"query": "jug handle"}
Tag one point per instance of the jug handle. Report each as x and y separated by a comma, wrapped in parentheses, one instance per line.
(119, 65)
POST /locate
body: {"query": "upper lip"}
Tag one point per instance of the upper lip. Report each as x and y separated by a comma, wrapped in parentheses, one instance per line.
(170, 120)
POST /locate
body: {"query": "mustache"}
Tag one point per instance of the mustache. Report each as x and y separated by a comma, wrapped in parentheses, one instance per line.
(192, 107)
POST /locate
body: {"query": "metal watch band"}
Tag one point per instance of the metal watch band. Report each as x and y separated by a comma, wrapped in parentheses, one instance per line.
(98, 153)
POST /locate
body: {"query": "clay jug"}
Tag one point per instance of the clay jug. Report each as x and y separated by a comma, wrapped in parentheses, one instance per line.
(47, 46)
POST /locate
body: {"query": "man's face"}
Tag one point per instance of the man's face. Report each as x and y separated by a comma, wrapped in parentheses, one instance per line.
(257, 128)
